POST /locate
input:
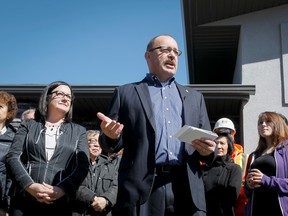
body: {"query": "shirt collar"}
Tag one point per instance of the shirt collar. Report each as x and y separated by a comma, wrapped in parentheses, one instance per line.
(153, 80)
(3, 130)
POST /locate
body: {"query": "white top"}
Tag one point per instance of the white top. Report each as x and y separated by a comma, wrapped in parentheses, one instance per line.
(51, 138)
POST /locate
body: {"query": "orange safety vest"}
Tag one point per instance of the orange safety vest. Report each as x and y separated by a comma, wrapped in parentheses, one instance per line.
(241, 159)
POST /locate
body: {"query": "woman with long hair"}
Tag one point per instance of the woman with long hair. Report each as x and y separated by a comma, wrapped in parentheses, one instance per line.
(266, 184)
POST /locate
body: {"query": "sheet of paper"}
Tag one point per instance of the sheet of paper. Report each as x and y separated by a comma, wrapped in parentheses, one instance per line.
(188, 134)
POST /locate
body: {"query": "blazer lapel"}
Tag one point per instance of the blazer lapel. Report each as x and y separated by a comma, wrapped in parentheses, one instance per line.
(143, 92)
(183, 91)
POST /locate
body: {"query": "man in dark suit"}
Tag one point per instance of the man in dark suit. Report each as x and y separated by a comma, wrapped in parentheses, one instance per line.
(158, 175)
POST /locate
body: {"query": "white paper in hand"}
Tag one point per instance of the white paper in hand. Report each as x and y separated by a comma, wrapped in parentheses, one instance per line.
(188, 134)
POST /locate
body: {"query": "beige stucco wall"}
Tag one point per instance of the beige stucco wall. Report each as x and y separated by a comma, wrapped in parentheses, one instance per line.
(262, 61)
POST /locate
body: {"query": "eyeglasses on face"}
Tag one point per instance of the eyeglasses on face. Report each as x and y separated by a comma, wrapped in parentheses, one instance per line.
(92, 141)
(167, 50)
(60, 94)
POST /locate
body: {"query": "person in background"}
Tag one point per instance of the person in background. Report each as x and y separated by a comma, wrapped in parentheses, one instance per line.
(48, 159)
(15, 123)
(97, 194)
(158, 175)
(222, 180)
(225, 125)
(267, 173)
(28, 114)
(8, 111)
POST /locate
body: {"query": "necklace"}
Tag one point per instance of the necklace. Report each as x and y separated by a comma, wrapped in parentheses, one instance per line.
(52, 126)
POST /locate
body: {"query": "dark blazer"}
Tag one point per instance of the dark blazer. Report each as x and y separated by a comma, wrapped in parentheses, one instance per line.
(131, 105)
(5, 181)
(27, 163)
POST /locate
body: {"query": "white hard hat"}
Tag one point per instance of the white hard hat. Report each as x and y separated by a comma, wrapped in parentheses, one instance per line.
(224, 123)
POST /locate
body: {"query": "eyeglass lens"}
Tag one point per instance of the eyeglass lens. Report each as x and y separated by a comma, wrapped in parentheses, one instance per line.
(60, 94)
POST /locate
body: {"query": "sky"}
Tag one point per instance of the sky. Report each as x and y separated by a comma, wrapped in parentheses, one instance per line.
(84, 42)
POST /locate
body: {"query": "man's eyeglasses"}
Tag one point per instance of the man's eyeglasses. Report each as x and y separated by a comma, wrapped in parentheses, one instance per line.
(167, 50)
(60, 94)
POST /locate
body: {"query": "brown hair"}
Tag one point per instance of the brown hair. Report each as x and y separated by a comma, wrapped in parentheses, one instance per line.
(11, 103)
(279, 127)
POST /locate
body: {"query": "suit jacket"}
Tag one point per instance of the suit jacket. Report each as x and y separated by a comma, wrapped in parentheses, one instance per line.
(5, 181)
(131, 105)
(27, 163)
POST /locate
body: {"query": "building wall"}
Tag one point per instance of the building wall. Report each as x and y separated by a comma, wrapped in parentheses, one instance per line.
(263, 62)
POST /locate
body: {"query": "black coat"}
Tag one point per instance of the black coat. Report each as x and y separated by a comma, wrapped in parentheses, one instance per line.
(5, 181)
(100, 181)
(66, 169)
(222, 182)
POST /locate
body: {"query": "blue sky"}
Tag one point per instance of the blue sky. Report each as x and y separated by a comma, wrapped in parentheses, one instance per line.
(84, 41)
